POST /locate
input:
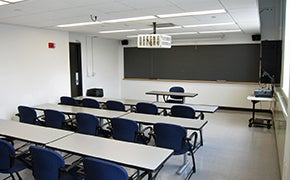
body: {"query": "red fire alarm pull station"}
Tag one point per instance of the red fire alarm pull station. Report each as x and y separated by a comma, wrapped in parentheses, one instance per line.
(51, 45)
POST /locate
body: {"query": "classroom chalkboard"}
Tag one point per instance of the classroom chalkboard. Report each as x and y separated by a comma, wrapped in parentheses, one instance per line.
(231, 62)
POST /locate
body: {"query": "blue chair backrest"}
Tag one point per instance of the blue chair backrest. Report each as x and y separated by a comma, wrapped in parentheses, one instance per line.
(45, 163)
(176, 89)
(124, 129)
(169, 136)
(87, 102)
(182, 111)
(87, 123)
(66, 100)
(27, 114)
(6, 151)
(54, 118)
(115, 105)
(99, 169)
(146, 108)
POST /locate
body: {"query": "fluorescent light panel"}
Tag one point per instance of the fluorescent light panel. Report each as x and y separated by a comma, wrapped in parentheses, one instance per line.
(117, 31)
(79, 24)
(222, 31)
(130, 19)
(205, 25)
(13, 1)
(181, 33)
(196, 13)
(3, 3)
(9, 2)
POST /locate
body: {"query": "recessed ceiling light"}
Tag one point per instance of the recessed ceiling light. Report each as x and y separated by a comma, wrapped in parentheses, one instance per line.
(3, 3)
(13, 1)
(222, 31)
(181, 33)
(218, 11)
(213, 24)
(79, 24)
(130, 19)
(9, 2)
(117, 31)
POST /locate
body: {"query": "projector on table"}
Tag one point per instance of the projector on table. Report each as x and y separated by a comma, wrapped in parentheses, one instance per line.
(263, 93)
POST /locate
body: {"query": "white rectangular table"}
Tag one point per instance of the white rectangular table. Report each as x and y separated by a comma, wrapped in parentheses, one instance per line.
(102, 113)
(197, 107)
(142, 157)
(167, 93)
(31, 133)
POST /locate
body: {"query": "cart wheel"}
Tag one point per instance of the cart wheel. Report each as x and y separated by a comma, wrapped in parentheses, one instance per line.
(268, 126)
(250, 124)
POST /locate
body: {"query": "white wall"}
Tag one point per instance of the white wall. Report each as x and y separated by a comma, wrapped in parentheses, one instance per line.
(100, 62)
(30, 72)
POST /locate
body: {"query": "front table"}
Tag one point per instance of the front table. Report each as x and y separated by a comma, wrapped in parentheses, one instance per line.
(147, 158)
(259, 121)
(167, 93)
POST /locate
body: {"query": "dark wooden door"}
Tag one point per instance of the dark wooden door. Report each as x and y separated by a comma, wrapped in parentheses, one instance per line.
(76, 69)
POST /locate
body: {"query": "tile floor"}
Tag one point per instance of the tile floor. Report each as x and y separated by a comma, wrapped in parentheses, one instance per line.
(231, 151)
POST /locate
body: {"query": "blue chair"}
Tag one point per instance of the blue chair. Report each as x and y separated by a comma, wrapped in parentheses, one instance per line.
(183, 111)
(90, 124)
(9, 162)
(49, 165)
(175, 137)
(146, 108)
(91, 103)
(66, 100)
(174, 99)
(96, 169)
(29, 115)
(115, 105)
(128, 130)
(56, 119)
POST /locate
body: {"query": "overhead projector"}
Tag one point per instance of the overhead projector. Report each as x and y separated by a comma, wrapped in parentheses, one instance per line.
(153, 41)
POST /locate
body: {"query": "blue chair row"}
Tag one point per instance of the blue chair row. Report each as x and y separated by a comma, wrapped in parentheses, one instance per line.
(47, 164)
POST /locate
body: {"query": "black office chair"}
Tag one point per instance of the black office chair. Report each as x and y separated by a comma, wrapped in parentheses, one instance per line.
(56, 119)
(174, 99)
(128, 130)
(115, 105)
(90, 124)
(11, 163)
(66, 100)
(96, 169)
(175, 137)
(95, 92)
(49, 165)
(146, 108)
(91, 103)
(29, 115)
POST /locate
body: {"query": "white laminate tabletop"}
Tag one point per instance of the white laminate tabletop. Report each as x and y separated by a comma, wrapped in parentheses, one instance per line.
(31, 133)
(196, 107)
(130, 102)
(131, 154)
(183, 94)
(187, 123)
(103, 113)
(254, 98)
